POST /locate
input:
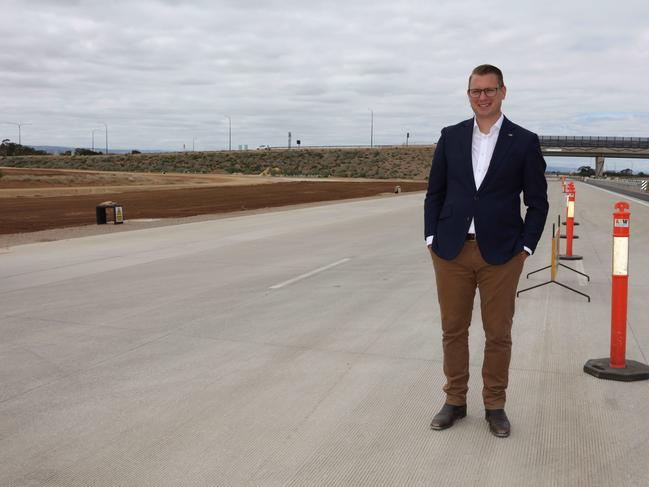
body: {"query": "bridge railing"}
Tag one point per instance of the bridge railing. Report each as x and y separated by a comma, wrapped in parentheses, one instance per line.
(584, 141)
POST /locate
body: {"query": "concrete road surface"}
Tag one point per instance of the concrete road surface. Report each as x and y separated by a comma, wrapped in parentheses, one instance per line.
(300, 348)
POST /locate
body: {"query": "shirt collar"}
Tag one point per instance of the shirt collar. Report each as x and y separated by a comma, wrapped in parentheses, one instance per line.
(494, 128)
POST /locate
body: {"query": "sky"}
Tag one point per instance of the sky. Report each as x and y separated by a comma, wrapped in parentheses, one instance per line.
(160, 74)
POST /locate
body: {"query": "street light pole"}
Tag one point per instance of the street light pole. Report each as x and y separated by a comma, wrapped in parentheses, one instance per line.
(19, 125)
(229, 132)
(106, 126)
(93, 138)
(371, 127)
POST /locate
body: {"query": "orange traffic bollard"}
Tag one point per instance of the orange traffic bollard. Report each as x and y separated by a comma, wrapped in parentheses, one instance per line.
(567, 188)
(570, 225)
(620, 284)
(617, 367)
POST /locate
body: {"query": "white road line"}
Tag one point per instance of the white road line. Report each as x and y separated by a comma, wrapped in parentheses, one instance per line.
(620, 194)
(309, 274)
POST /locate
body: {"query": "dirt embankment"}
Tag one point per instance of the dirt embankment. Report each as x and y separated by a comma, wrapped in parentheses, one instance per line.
(398, 162)
(34, 200)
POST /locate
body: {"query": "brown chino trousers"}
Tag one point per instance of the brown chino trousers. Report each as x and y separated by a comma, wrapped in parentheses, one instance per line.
(457, 280)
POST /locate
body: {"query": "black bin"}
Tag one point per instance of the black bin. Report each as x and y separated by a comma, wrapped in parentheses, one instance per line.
(100, 212)
(118, 212)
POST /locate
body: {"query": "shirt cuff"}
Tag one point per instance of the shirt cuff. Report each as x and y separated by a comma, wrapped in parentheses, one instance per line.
(429, 240)
(527, 249)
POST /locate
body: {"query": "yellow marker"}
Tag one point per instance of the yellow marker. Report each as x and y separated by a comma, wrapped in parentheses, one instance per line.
(119, 215)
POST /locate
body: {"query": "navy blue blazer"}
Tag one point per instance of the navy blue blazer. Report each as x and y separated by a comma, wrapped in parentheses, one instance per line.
(517, 166)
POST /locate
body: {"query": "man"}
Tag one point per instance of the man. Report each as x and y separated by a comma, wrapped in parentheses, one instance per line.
(477, 238)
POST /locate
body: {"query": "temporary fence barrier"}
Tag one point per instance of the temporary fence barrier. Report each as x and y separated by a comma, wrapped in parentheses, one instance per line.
(555, 264)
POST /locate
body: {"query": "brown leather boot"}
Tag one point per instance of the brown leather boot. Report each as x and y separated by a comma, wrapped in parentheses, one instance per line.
(447, 416)
(498, 422)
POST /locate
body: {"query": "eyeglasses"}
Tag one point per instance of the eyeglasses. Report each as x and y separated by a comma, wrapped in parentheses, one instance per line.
(490, 92)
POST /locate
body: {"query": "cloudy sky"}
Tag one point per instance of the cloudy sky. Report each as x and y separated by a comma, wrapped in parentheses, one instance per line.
(163, 73)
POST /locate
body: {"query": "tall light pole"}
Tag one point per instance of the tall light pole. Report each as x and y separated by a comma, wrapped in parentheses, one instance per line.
(19, 125)
(229, 132)
(371, 127)
(93, 138)
(106, 126)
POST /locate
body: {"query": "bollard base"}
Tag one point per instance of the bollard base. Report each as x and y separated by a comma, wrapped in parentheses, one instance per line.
(601, 368)
(570, 257)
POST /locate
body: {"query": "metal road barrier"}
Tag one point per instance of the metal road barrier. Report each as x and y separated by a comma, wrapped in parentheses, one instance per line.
(631, 186)
(625, 182)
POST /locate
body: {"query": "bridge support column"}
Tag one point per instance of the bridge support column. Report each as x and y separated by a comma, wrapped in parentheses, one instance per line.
(599, 166)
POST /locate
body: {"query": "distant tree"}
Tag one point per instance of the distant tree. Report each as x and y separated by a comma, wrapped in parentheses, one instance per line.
(8, 148)
(86, 152)
(627, 172)
(135, 152)
(586, 171)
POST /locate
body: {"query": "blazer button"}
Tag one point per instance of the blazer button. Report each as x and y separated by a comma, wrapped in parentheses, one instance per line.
(475, 198)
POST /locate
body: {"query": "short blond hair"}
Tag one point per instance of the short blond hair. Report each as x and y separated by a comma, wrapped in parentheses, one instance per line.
(488, 69)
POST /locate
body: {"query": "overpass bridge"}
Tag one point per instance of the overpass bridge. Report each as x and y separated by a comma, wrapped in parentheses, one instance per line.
(597, 147)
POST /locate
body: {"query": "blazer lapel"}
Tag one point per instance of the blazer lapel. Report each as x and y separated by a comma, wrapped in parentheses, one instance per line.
(467, 156)
(505, 139)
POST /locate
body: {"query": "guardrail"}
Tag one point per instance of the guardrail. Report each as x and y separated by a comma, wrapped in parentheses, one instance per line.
(640, 184)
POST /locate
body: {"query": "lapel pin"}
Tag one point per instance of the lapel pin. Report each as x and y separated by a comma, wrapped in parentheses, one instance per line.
(510, 135)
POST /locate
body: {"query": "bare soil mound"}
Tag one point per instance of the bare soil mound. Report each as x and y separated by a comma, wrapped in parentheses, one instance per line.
(143, 197)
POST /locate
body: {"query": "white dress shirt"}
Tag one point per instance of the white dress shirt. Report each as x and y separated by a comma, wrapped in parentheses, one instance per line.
(482, 148)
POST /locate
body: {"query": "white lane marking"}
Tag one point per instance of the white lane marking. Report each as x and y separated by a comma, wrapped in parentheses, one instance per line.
(619, 194)
(309, 274)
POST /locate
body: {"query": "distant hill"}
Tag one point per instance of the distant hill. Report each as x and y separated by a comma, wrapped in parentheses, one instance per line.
(565, 170)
